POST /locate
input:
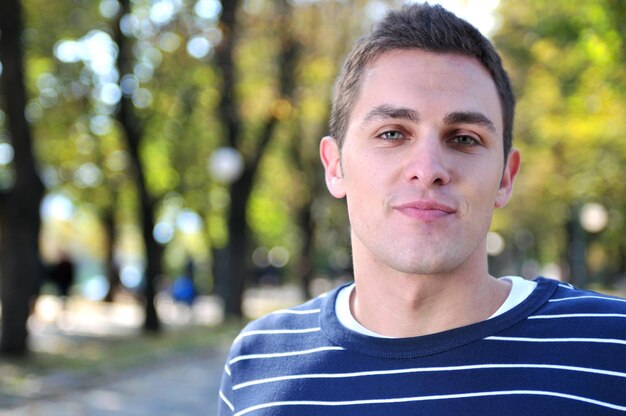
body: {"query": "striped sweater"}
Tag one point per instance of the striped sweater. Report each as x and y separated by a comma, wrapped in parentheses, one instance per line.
(562, 351)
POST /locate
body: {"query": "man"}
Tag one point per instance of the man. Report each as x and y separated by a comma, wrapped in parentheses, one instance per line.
(421, 149)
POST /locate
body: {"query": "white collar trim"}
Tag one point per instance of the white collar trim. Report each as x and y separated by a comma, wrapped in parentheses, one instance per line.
(520, 290)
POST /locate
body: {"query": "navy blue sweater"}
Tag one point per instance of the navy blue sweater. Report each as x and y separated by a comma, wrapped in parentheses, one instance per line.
(562, 351)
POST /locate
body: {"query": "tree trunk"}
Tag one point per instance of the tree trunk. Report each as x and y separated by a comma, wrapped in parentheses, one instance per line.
(133, 133)
(238, 260)
(20, 266)
(112, 271)
(576, 250)
(238, 267)
(304, 266)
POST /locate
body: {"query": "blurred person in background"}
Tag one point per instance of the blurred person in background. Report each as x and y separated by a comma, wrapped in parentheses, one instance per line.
(421, 127)
(184, 289)
(62, 275)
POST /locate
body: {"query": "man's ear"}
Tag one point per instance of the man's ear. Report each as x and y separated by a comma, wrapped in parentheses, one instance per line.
(329, 153)
(508, 178)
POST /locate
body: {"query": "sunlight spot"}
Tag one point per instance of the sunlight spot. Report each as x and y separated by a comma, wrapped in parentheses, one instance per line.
(143, 71)
(163, 232)
(189, 222)
(479, 13)
(129, 24)
(6, 154)
(57, 206)
(198, 47)
(169, 41)
(594, 217)
(100, 125)
(68, 51)
(142, 98)
(131, 276)
(109, 8)
(33, 111)
(162, 12)
(88, 175)
(96, 288)
(208, 9)
(129, 85)
(226, 164)
(278, 257)
(495, 243)
(110, 93)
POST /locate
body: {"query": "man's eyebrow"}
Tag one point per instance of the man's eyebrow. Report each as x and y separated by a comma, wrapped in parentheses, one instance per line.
(387, 111)
(469, 117)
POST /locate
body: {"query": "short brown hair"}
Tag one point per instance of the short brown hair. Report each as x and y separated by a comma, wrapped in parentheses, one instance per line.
(425, 27)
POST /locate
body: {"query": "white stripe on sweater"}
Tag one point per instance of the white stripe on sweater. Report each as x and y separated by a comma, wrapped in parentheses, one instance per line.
(296, 311)
(433, 397)
(588, 297)
(579, 315)
(428, 370)
(528, 339)
(283, 354)
(275, 332)
(225, 400)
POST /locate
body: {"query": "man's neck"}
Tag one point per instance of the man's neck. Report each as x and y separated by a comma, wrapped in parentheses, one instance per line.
(400, 305)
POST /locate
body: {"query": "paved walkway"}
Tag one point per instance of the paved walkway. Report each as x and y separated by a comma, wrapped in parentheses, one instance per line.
(175, 385)
(181, 386)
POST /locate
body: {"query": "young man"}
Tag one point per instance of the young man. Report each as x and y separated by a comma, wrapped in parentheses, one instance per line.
(421, 150)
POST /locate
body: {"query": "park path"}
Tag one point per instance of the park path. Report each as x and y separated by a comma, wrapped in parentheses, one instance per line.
(177, 384)
(174, 386)
(182, 385)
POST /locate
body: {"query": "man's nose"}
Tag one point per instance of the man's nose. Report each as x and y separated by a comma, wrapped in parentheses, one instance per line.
(426, 162)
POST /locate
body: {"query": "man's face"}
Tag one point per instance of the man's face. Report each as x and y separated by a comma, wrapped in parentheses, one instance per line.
(421, 166)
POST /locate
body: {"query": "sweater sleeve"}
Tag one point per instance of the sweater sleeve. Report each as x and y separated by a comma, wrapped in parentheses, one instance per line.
(225, 405)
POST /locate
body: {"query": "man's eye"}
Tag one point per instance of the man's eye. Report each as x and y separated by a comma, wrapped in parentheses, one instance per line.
(464, 140)
(391, 135)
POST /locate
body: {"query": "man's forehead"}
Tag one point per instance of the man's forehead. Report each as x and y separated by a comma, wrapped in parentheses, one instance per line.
(420, 58)
(464, 74)
(442, 70)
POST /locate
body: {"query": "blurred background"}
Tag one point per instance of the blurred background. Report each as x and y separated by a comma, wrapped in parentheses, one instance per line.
(160, 182)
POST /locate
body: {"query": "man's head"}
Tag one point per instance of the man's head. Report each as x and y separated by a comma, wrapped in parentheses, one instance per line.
(425, 27)
(421, 111)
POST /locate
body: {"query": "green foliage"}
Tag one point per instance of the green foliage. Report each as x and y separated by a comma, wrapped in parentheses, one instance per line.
(81, 152)
(567, 62)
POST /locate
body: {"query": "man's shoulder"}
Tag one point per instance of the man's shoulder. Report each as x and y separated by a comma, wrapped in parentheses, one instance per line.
(586, 311)
(284, 325)
(569, 298)
(295, 317)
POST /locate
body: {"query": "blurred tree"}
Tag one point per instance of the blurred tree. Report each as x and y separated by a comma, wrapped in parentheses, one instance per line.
(90, 83)
(75, 143)
(20, 221)
(183, 80)
(238, 269)
(134, 132)
(324, 48)
(567, 62)
(282, 101)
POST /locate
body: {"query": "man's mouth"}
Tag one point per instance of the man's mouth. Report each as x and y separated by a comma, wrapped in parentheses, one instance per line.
(425, 209)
